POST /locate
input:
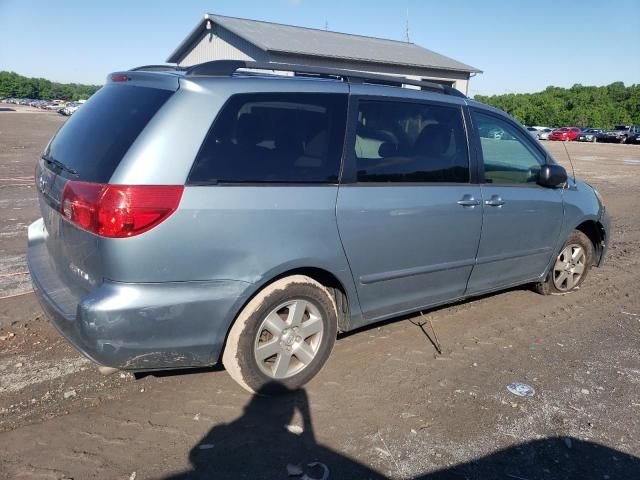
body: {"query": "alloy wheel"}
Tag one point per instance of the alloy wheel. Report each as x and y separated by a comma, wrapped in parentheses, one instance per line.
(569, 267)
(288, 339)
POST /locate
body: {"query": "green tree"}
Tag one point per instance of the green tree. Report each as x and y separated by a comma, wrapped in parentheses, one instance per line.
(580, 105)
(13, 85)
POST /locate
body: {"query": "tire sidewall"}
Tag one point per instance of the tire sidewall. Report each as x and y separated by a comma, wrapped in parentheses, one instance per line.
(253, 378)
(579, 238)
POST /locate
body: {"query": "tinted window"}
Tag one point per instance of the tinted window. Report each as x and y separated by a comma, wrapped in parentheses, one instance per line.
(508, 156)
(410, 142)
(274, 137)
(97, 136)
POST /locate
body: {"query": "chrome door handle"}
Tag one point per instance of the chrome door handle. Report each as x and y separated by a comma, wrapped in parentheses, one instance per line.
(494, 201)
(468, 201)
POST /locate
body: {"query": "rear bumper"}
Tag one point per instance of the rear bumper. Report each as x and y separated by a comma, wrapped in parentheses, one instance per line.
(140, 326)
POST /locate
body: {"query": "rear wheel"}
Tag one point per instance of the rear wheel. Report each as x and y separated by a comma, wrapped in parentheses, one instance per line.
(283, 337)
(571, 266)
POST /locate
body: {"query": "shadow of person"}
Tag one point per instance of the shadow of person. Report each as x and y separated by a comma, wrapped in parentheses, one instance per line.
(276, 432)
(272, 433)
(554, 458)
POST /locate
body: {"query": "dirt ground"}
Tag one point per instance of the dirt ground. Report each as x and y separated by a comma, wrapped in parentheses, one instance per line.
(386, 405)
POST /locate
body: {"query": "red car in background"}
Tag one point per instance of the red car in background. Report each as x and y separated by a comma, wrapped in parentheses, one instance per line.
(565, 134)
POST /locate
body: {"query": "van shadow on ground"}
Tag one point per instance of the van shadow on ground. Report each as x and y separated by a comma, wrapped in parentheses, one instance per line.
(258, 446)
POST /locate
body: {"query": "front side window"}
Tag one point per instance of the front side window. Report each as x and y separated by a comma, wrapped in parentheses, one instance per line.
(274, 138)
(509, 158)
(410, 142)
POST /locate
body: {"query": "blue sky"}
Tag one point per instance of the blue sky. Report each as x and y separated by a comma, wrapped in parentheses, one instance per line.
(521, 46)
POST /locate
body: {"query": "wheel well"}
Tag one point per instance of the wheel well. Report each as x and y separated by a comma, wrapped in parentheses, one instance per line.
(319, 275)
(596, 234)
(330, 281)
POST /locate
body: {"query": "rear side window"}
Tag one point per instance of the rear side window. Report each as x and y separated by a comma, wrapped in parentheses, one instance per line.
(98, 135)
(410, 142)
(274, 138)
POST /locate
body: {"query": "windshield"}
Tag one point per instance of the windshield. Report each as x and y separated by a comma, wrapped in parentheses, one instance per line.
(620, 127)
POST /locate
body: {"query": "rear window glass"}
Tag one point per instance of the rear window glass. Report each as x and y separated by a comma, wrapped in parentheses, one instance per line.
(97, 136)
(274, 138)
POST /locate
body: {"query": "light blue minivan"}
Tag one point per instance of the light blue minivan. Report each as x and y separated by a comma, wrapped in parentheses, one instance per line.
(221, 213)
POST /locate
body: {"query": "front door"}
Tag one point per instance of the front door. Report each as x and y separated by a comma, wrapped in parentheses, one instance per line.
(410, 220)
(522, 220)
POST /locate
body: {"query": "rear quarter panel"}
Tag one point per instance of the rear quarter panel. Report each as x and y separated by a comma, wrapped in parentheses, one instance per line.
(246, 233)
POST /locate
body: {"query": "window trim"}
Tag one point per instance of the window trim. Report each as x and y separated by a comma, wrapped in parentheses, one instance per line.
(350, 173)
(525, 135)
(218, 183)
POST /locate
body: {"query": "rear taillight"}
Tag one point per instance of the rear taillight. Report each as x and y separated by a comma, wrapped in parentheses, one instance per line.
(118, 211)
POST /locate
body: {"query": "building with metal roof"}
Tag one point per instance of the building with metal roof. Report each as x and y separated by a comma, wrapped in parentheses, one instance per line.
(217, 37)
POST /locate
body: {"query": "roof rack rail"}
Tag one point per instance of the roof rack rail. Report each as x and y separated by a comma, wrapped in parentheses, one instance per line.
(156, 68)
(226, 68)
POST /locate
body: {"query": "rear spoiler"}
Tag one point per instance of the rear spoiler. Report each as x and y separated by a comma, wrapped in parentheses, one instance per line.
(144, 78)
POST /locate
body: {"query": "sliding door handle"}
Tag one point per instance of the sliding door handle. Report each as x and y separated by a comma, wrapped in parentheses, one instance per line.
(468, 201)
(494, 201)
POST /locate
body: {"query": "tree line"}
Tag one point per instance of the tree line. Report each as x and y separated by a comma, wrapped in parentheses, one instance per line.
(580, 106)
(13, 85)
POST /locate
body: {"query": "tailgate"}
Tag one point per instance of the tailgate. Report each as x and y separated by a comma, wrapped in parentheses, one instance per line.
(88, 148)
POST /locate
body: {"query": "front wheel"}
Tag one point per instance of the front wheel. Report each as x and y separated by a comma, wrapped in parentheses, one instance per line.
(571, 266)
(283, 336)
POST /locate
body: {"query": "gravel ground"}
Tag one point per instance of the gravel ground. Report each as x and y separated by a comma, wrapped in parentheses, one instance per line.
(386, 405)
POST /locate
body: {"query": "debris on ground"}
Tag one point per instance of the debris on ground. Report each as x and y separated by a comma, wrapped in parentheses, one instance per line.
(521, 389)
(325, 471)
(294, 470)
(295, 429)
(69, 394)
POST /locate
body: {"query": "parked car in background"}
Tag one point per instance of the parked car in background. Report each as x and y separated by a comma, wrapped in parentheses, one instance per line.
(540, 133)
(590, 135)
(533, 131)
(565, 134)
(244, 242)
(70, 108)
(620, 134)
(544, 132)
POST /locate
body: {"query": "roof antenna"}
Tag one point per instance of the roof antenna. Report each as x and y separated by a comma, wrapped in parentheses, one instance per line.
(406, 28)
(573, 172)
(326, 25)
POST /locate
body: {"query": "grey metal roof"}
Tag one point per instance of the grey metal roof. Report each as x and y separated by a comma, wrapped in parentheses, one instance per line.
(275, 37)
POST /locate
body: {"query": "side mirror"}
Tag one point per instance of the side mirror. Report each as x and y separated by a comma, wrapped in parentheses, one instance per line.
(552, 175)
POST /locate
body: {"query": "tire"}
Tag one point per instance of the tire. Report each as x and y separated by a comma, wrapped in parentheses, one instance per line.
(567, 274)
(270, 349)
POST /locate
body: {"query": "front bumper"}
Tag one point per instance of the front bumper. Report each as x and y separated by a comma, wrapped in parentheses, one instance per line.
(142, 326)
(605, 221)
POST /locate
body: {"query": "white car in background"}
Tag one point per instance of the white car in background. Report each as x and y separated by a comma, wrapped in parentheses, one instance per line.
(71, 108)
(540, 133)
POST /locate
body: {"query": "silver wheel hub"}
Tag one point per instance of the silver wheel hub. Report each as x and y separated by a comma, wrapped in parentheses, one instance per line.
(288, 339)
(569, 267)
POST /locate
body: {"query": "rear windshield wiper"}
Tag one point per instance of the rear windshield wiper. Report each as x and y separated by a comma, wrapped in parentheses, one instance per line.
(60, 165)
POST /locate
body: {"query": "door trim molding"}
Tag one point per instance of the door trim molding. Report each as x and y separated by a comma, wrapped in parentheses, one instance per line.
(509, 256)
(413, 271)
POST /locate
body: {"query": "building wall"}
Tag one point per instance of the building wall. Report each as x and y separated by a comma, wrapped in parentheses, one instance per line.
(219, 43)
